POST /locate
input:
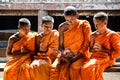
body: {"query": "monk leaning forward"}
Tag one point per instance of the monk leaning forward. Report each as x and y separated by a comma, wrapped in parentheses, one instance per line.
(104, 46)
(20, 50)
(74, 36)
(46, 49)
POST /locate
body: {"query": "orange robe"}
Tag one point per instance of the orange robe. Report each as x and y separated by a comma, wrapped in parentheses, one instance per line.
(51, 41)
(17, 68)
(99, 60)
(40, 67)
(77, 39)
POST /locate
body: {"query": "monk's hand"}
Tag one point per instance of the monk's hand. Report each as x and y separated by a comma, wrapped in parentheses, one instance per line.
(76, 57)
(24, 49)
(97, 47)
(43, 48)
(56, 52)
(67, 55)
(62, 57)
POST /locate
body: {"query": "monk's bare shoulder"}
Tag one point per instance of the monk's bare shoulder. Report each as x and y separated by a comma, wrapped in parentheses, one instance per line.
(13, 38)
(63, 27)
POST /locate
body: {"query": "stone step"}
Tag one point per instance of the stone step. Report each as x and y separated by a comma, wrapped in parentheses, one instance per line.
(113, 69)
(3, 59)
(118, 60)
(2, 66)
(117, 64)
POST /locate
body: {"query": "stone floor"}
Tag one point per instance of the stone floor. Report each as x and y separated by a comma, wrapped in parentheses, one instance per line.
(112, 75)
(107, 75)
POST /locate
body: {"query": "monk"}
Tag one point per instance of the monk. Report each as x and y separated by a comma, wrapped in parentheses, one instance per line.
(46, 48)
(74, 37)
(20, 50)
(104, 46)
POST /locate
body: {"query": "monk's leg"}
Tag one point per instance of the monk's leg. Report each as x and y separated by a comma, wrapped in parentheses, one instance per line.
(88, 70)
(75, 69)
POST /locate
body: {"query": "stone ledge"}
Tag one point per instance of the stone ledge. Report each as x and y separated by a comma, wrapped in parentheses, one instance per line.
(2, 66)
(112, 69)
(3, 59)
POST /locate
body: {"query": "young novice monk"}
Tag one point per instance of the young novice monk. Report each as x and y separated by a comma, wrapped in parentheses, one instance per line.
(46, 48)
(20, 50)
(104, 46)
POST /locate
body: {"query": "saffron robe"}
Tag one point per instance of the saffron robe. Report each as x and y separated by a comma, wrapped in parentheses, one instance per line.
(77, 39)
(17, 68)
(40, 67)
(99, 60)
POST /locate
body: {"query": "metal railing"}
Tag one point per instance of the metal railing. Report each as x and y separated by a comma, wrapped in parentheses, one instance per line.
(59, 1)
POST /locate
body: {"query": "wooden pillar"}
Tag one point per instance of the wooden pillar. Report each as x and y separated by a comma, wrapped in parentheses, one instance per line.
(41, 13)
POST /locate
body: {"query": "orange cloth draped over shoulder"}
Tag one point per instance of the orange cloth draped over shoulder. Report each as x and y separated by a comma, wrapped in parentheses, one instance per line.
(77, 39)
(99, 61)
(51, 42)
(17, 67)
(40, 67)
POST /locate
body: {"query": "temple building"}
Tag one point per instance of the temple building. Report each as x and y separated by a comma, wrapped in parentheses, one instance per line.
(12, 10)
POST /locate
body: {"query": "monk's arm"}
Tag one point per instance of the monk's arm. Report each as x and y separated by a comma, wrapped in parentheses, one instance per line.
(53, 46)
(37, 43)
(86, 34)
(9, 52)
(115, 44)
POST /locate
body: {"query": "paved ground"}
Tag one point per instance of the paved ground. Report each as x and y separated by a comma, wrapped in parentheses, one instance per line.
(112, 75)
(107, 75)
(1, 75)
